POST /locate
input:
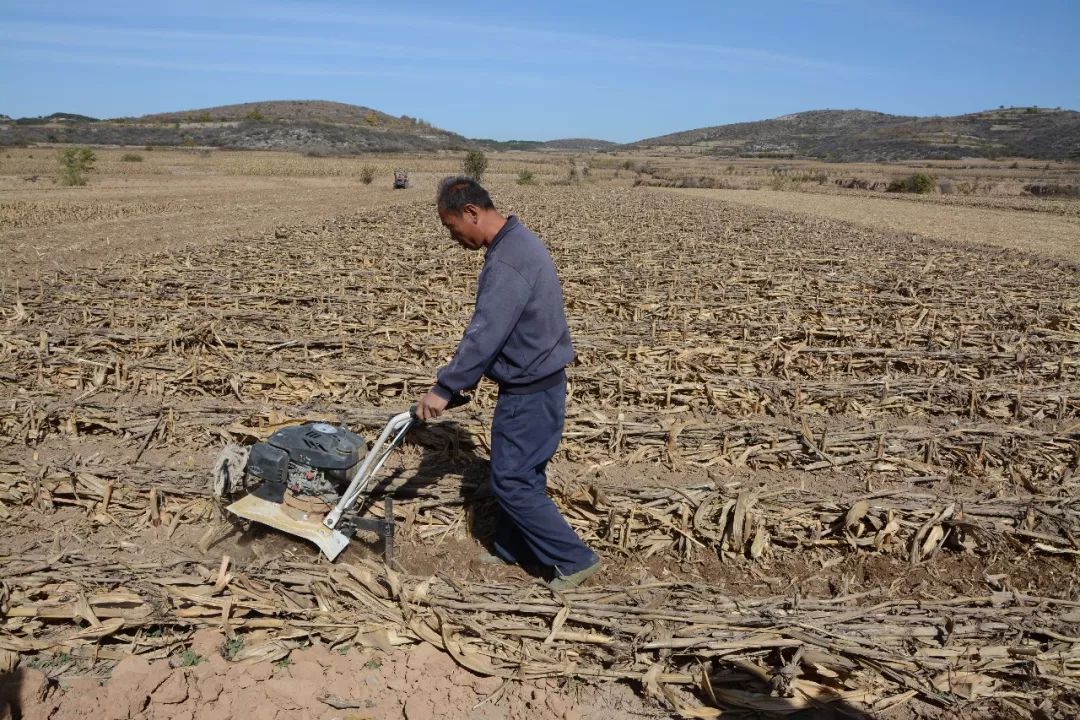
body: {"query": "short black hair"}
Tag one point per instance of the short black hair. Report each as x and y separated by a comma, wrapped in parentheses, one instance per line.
(457, 191)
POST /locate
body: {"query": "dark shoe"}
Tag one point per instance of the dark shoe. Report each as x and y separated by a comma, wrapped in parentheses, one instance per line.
(569, 582)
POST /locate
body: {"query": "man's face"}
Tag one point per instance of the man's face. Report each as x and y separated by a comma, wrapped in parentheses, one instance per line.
(464, 227)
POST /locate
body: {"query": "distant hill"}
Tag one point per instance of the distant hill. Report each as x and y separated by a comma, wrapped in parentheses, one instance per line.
(318, 126)
(296, 125)
(572, 144)
(296, 111)
(861, 135)
(58, 117)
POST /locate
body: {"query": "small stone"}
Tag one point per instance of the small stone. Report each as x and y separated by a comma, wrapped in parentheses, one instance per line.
(210, 688)
(486, 685)
(418, 707)
(130, 666)
(173, 690)
(422, 655)
(260, 671)
(320, 654)
(157, 674)
(308, 672)
(207, 642)
(220, 710)
(286, 693)
(557, 704)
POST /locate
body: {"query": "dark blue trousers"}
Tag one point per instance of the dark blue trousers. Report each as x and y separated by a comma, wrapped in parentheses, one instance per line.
(529, 529)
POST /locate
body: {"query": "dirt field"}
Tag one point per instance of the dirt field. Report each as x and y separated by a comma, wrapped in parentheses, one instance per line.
(1042, 234)
(826, 443)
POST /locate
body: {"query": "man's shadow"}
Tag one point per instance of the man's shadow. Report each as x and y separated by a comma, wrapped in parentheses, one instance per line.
(447, 450)
(10, 692)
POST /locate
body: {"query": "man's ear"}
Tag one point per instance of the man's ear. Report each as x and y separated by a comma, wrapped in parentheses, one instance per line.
(471, 213)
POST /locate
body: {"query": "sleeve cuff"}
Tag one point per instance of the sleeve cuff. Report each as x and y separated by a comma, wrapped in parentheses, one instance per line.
(441, 391)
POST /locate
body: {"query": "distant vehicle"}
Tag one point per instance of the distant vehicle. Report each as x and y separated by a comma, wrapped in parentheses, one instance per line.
(401, 179)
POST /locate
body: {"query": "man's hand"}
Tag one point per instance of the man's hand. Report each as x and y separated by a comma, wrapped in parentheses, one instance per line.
(430, 406)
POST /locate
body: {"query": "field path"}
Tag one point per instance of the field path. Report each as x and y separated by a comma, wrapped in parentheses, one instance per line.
(1049, 236)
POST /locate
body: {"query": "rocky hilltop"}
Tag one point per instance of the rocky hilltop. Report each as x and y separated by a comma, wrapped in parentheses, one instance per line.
(862, 135)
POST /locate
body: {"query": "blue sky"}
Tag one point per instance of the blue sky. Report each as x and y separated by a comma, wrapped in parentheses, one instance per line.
(614, 70)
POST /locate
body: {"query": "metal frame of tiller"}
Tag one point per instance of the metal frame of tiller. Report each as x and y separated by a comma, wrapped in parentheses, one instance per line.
(261, 505)
(398, 426)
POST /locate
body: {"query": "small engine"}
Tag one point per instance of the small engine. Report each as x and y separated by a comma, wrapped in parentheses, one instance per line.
(315, 459)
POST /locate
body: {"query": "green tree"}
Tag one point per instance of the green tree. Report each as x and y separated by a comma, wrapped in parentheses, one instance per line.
(919, 183)
(475, 165)
(75, 164)
(526, 177)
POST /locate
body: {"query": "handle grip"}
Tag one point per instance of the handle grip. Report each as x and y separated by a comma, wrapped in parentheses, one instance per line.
(456, 401)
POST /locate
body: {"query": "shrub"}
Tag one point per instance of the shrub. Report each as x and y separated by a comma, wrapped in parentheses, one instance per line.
(779, 182)
(131, 157)
(367, 174)
(526, 177)
(475, 165)
(75, 164)
(233, 646)
(701, 181)
(255, 116)
(189, 658)
(1052, 190)
(918, 183)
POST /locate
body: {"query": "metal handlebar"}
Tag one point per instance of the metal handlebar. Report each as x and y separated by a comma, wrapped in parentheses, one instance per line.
(398, 426)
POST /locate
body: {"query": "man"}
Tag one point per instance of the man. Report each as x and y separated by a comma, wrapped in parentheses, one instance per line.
(518, 337)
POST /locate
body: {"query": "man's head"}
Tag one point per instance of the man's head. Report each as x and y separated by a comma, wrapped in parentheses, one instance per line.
(466, 210)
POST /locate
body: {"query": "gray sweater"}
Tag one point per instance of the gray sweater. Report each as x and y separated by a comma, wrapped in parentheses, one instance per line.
(518, 335)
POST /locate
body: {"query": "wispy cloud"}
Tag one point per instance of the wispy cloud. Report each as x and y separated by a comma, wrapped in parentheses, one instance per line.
(258, 68)
(104, 37)
(440, 72)
(421, 36)
(617, 48)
